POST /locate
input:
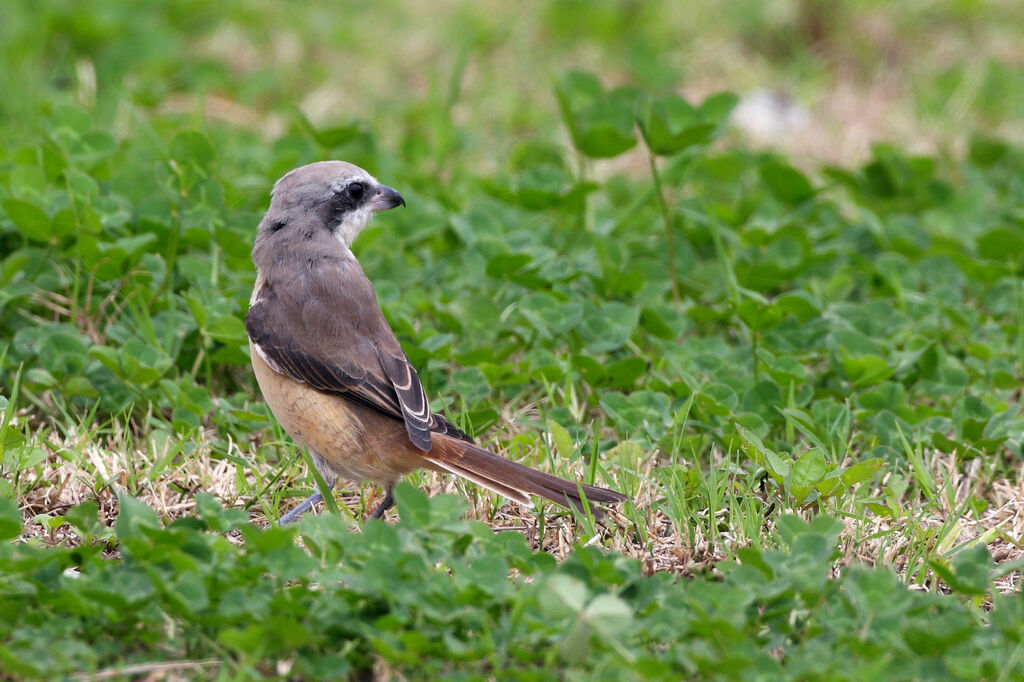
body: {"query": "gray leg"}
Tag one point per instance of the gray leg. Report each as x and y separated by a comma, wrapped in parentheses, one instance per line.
(330, 478)
(305, 506)
(387, 503)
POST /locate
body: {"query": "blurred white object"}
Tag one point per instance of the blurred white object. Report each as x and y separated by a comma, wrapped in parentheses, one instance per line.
(769, 114)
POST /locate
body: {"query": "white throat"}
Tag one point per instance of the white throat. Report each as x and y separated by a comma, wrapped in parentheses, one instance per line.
(353, 224)
(356, 220)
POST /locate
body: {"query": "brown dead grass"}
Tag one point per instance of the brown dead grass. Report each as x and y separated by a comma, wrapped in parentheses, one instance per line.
(78, 470)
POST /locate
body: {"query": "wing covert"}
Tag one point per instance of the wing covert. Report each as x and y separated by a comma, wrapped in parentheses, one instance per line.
(326, 337)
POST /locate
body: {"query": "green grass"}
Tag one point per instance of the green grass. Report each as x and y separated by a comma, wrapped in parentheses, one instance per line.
(801, 362)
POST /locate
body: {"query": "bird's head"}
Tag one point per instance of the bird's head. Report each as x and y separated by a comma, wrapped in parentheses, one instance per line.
(332, 195)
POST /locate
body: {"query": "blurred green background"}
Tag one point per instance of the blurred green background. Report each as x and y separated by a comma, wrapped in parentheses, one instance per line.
(919, 73)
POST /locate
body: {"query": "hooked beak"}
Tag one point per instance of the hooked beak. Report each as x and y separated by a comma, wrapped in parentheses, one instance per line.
(386, 198)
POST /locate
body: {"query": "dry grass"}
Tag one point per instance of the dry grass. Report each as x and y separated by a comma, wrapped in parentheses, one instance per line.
(78, 469)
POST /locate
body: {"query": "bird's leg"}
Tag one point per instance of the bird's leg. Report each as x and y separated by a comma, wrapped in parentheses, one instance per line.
(387, 503)
(305, 506)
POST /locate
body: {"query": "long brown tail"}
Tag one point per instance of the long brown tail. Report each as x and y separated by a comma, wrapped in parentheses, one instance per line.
(511, 479)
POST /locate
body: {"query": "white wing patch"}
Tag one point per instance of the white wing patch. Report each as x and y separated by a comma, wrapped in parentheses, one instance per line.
(257, 290)
(269, 360)
(404, 386)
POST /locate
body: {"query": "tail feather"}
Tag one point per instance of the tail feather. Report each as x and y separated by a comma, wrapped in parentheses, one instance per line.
(511, 479)
(490, 484)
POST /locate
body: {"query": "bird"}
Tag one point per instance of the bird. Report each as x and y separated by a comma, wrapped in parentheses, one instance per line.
(330, 367)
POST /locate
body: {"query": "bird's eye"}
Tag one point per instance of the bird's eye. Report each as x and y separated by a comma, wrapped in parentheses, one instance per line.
(355, 190)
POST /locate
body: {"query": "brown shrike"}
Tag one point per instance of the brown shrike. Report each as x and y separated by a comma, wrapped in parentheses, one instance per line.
(331, 369)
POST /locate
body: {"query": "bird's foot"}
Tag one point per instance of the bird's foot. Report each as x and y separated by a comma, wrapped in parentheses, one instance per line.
(387, 503)
(305, 506)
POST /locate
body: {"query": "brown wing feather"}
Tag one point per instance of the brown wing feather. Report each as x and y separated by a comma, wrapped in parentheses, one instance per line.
(325, 329)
